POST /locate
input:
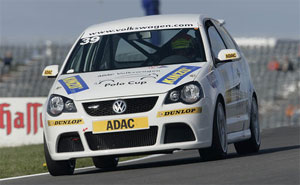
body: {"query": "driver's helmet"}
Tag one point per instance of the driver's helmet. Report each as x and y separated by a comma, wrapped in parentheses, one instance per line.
(182, 42)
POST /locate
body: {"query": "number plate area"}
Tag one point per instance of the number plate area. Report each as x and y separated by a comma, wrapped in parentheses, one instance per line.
(117, 125)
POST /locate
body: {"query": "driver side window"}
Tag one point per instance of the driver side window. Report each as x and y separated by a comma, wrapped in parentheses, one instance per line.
(215, 39)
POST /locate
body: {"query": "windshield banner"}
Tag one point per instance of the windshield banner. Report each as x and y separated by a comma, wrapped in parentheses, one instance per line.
(139, 28)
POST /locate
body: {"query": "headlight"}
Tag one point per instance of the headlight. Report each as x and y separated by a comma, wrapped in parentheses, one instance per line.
(174, 95)
(59, 104)
(70, 106)
(188, 93)
(56, 105)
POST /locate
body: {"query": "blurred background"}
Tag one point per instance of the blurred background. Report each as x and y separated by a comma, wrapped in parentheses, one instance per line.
(37, 33)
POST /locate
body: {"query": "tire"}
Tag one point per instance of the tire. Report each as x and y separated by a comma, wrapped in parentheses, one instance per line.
(106, 162)
(251, 145)
(57, 168)
(219, 147)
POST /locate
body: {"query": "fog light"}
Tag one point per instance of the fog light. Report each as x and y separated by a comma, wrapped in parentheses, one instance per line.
(69, 106)
(174, 96)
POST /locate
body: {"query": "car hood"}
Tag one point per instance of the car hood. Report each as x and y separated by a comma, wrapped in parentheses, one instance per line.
(125, 82)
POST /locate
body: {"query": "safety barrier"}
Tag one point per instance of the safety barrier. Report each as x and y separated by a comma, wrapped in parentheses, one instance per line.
(21, 121)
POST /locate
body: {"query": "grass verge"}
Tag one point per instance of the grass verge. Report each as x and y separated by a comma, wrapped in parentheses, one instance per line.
(26, 160)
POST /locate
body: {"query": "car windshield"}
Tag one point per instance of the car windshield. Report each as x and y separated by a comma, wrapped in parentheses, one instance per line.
(136, 49)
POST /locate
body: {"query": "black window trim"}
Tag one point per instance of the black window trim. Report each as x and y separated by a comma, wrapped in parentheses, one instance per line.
(233, 41)
(207, 24)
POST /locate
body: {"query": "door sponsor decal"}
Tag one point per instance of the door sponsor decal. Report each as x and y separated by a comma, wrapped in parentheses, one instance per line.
(233, 94)
(73, 84)
(176, 75)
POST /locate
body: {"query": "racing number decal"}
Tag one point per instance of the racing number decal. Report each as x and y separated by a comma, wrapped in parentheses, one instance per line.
(89, 40)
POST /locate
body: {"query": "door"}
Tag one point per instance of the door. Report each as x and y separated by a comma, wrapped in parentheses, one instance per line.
(239, 91)
(226, 71)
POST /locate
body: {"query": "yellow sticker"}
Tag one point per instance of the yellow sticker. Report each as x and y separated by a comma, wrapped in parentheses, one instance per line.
(178, 112)
(120, 124)
(72, 83)
(230, 55)
(177, 74)
(65, 122)
(48, 72)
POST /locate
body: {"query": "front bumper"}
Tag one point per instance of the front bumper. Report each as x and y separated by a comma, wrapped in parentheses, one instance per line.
(199, 123)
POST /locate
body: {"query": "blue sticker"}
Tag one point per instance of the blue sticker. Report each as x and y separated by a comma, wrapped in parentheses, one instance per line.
(178, 74)
(73, 84)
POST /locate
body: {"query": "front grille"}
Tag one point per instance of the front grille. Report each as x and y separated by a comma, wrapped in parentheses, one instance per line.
(69, 142)
(125, 139)
(135, 105)
(178, 132)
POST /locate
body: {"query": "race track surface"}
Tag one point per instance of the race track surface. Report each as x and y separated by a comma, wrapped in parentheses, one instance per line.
(278, 162)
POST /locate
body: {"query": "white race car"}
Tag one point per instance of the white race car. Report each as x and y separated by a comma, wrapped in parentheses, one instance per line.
(146, 85)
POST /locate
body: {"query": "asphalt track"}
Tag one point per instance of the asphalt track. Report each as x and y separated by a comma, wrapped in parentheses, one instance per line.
(278, 162)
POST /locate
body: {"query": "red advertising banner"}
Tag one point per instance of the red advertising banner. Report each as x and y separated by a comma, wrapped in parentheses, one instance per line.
(21, 121)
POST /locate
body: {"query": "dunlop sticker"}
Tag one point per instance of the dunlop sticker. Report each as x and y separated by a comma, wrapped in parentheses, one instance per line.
(120, 124)
(73, 84)
(65, 122)
(176, 75)
(178, 112)
(230, 55)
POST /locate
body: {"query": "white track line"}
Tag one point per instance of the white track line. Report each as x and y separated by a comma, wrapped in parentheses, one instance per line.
(25, 176)
(142, 158)
(78, 169)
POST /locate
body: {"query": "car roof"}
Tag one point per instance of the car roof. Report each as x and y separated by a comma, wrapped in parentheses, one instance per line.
(147, 22)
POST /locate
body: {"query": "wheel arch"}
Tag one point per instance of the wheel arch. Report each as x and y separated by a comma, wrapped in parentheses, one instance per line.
(254, 95)
(221, 99)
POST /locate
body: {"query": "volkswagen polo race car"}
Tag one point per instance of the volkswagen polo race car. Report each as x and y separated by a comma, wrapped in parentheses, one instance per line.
(145, 85)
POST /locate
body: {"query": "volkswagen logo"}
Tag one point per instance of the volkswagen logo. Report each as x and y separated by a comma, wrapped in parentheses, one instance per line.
(119, 106)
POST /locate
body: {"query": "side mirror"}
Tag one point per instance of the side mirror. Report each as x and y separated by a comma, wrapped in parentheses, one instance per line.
(221, 21)
(228, 54)
(50, 71)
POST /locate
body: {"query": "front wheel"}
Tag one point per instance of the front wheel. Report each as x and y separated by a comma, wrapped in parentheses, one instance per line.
(106, 162)
(218, 150)
(57, 168)
(251, 145)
